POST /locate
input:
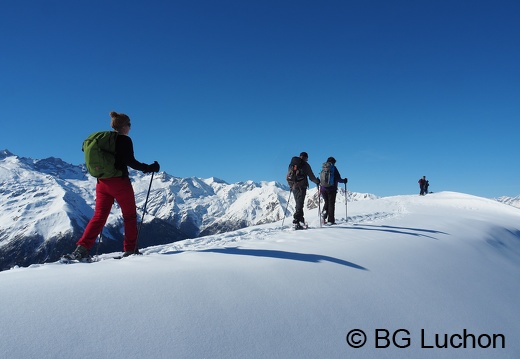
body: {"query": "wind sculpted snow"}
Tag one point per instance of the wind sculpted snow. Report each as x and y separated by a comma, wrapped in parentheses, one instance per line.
(406, 276)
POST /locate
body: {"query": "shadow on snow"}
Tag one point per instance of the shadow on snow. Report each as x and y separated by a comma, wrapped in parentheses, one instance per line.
(397, 230)
(303, 257)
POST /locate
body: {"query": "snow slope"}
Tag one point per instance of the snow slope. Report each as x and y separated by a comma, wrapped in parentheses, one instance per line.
(443, 265)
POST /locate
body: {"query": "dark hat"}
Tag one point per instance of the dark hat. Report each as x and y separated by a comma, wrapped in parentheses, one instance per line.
(331, 160)
(304, 155)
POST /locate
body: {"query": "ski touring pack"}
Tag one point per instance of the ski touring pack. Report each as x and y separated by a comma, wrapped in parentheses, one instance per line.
(295, 173)
(327, 175)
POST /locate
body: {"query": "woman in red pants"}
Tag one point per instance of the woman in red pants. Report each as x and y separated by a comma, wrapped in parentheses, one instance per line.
(115, 188)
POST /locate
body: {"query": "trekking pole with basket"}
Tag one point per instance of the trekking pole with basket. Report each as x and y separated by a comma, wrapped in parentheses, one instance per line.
(346, 201)
(319, 206)
(286, 206)
(136, 249)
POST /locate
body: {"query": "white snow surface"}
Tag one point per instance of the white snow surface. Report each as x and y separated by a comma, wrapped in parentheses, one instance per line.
(446, 264)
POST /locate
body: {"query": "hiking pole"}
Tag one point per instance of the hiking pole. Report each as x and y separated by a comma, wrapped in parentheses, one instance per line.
(319, 205)
(346, 201)
(136, 249)
(286, 206)
(100, 240)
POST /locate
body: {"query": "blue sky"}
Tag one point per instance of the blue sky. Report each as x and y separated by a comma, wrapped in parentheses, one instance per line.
(394, 90)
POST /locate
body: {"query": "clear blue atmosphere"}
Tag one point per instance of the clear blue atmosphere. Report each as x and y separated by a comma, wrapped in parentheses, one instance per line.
(232, 89)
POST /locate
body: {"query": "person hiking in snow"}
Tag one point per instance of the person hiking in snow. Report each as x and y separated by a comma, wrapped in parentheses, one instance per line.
(329, 189)
(115, 188)
(297, 175)
(423, 184)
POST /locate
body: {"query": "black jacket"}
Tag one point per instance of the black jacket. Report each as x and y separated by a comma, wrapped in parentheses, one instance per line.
(125, 156)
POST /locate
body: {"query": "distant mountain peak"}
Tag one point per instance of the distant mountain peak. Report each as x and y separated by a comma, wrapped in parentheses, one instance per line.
(5, 153)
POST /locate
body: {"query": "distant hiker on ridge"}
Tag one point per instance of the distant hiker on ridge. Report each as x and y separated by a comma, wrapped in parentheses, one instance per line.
(297, 175)
(113, 183)
(329, 179)
(423, 184)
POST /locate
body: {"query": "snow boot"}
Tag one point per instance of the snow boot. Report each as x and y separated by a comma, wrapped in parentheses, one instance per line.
(79, 254)
(129, 253)
(299, 225)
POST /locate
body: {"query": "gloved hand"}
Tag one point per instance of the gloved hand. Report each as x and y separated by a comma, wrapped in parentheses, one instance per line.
(317, 182)
(346, 179)
(154, 167)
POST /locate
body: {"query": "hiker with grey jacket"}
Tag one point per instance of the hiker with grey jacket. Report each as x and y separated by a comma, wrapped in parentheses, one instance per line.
(297, 175)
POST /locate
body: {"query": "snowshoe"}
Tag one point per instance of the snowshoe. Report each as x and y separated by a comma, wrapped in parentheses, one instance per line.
(69, 258)
(128, 254)
(298, 226)
(80, 254)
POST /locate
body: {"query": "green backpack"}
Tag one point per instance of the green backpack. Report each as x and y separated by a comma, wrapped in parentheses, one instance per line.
(100, 154)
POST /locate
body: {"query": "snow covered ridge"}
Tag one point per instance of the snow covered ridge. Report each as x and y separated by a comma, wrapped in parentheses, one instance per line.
(45, 205)
(512, 201)
(406, 277)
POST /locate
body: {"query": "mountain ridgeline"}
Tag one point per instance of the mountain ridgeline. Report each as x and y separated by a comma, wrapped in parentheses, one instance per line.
(46, 204)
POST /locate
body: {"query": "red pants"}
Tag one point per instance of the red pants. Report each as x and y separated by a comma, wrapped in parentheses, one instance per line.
(107, 190)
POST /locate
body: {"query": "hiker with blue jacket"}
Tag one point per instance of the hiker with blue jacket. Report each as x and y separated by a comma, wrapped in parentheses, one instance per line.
(297, 175)
(329, 179)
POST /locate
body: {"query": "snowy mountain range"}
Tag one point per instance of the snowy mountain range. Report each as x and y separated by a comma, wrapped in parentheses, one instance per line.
(46, 203)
